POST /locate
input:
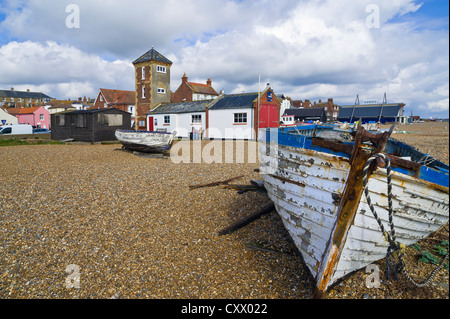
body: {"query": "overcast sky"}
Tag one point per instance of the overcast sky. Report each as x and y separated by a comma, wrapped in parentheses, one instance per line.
(305, 49)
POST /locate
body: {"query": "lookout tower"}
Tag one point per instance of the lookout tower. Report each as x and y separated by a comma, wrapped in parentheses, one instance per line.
(152, 82)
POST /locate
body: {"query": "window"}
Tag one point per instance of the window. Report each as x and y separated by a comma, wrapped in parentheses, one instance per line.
(196, 118)
(161, 69)
(80, 120)
(59, 120)
(143, 92)
(41, 117)
(161, 90)
(110, 119)
(166, 119)
(143, 73)
(101, 98)
(141, 123)
(240, 118)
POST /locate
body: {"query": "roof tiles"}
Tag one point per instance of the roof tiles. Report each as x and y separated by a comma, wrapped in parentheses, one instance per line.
(152, 55)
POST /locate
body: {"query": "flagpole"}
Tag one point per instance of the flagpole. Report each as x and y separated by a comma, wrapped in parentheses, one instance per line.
(259, 92)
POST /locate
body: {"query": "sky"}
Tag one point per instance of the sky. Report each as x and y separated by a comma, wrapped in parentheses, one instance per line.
(304, 49)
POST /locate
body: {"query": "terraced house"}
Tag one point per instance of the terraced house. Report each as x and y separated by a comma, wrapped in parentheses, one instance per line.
(12, 98)
(192, 91)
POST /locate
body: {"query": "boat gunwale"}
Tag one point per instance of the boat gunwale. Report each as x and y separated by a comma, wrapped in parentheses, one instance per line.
(343, 149)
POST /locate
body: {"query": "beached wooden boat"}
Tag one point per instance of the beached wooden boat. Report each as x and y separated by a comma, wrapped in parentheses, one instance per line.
(145, 141)
(315, 176)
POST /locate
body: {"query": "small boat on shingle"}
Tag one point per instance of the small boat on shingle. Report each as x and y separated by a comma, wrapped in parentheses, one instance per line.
(146, 141)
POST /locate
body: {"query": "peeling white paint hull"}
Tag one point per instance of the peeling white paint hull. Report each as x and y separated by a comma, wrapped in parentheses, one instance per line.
(306, 187)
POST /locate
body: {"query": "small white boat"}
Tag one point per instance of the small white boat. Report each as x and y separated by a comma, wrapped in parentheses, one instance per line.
(146, 141)
(317, 176)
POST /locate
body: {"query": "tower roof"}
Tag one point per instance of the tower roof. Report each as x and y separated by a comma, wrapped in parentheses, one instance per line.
(152, 55)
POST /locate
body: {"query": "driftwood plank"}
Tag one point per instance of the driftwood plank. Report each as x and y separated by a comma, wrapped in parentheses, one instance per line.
(247, 220)
(215, 183)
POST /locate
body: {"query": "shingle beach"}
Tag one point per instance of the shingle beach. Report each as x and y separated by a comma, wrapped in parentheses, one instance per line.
(132, 228)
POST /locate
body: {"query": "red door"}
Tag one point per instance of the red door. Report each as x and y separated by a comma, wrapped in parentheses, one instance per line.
(150, 123)
(268, 116)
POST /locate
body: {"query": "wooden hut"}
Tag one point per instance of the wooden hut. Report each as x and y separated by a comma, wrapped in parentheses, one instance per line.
(89, 125)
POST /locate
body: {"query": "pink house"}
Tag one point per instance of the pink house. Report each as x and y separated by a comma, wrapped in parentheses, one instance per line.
(37, 116)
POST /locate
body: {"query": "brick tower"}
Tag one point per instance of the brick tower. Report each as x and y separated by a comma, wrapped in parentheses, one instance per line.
(152, 82)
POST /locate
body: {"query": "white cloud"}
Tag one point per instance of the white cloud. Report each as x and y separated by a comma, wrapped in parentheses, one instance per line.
(60, 69)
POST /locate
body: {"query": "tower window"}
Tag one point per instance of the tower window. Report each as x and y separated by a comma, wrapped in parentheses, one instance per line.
(161, 90)
(161, 69)
(143, 92)
(143, 73)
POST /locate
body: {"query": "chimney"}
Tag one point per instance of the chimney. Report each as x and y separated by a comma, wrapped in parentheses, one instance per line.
(12, 89)
(208, 82)
(184, 78)
(28, 90)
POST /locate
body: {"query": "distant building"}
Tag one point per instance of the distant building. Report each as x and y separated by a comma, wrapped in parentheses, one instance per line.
(12, 98)
(331, 109)
(62, 107)
(191, 91)
(119, 99)
(6, 118)
(36, 116)
(89, 125)
(383, 113)
(307, 114)
(152, 84)
(55, 106)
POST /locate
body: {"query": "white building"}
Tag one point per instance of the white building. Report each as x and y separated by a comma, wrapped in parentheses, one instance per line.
(6, 118)
(231, 116)
(182, 117)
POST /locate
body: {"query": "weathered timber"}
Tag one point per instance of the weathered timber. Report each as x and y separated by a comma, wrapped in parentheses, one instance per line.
(247, 220)
(348, 205)
(215, 183)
